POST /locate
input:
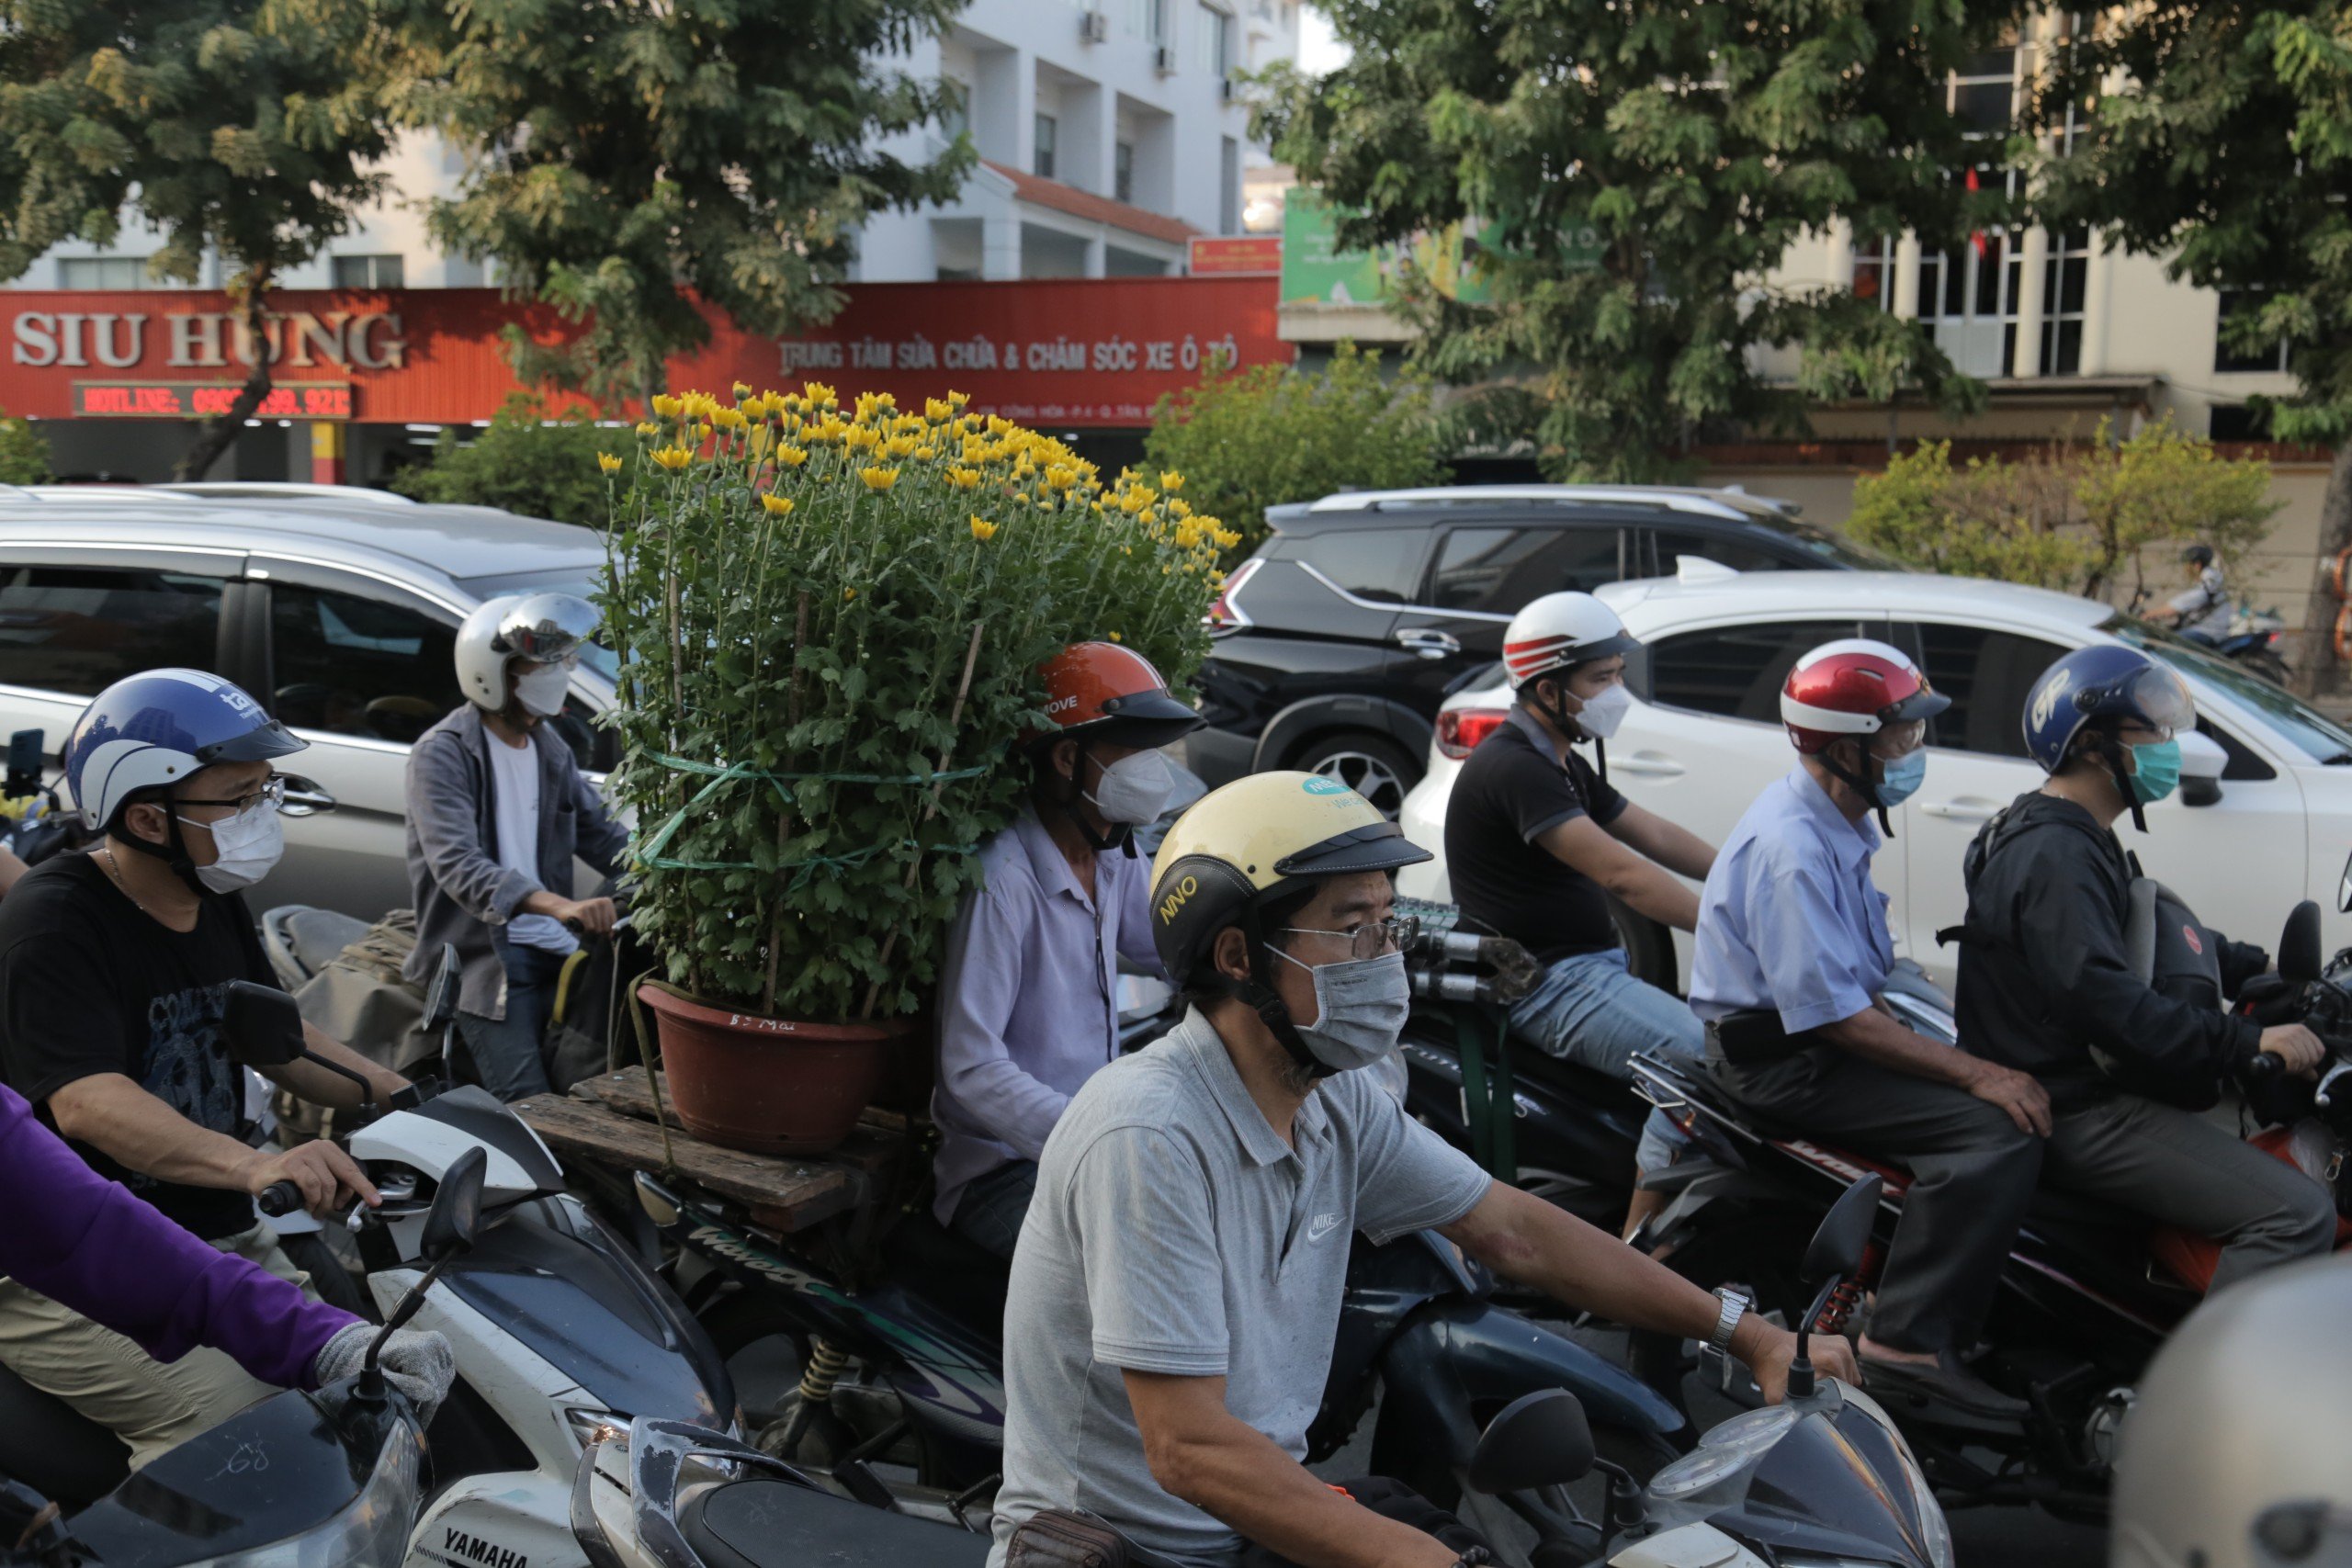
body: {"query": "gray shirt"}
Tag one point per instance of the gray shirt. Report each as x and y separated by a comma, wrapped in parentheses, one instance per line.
(1173, 1231)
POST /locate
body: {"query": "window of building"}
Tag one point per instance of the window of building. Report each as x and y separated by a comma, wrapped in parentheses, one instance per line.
(1048, 131)
(1987, 674)
(2065, 279)
(1146, 19)
(2235, 304)
(1123, 170)
(370, 272)
(1379, 564)
(956, 119)
(2235, 421)
(1229, 199)
(1873, 278)
(1737, 672)
(77, 630)
(102, 271)
(1213, 39)
(1982, 92)
(1499, 570)
(353, 666)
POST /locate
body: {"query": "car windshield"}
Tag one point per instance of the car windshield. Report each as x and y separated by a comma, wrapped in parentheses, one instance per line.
(2312, 732)
(555, 579)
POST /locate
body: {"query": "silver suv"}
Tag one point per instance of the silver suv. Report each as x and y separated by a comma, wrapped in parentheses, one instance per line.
(336, 608)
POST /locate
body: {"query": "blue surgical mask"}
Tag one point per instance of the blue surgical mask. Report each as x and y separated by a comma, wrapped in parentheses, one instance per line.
(2156, 771)
(1903, 777)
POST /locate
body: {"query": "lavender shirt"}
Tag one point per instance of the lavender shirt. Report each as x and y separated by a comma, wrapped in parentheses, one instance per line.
(88, 1244)
(1028, 995)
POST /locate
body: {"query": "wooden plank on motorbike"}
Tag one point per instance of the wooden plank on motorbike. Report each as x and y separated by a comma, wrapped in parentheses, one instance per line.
(787, 1194)
(878, 1137)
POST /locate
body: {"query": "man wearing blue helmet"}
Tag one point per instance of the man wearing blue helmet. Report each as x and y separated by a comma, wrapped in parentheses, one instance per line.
(2047, 984)
(114, 974)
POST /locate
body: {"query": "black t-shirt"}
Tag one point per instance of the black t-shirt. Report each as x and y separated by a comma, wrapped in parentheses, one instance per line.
(90, 984)
(1508, 794)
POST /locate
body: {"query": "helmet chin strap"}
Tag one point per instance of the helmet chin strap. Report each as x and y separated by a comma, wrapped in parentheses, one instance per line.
(1120, 837)
(174, 853)
(1258, 994)
(1567, 726)
(2112, 756)
(1862, 785)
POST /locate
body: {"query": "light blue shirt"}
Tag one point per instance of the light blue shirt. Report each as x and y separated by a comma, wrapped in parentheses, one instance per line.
(1790, 921)
(1028, 997)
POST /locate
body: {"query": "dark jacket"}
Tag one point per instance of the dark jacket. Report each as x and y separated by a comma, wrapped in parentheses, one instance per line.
(2043, 971)
(461, 891)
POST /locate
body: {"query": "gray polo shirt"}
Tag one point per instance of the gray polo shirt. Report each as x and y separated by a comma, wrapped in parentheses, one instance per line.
(1173, 1231)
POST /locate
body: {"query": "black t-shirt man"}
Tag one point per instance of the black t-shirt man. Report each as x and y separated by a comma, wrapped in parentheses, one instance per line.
(90, 984)
(1511, 793)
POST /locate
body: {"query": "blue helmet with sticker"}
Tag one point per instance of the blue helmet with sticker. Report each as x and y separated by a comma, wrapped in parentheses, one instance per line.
(146, 732)
(2109, 681)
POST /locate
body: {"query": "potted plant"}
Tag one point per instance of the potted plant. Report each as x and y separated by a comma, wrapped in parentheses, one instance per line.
(830, 621)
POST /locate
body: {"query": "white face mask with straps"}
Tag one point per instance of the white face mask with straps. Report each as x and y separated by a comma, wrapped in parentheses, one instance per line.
(1135, 790)
(1605, 710)
(541, 690)
(245, 847)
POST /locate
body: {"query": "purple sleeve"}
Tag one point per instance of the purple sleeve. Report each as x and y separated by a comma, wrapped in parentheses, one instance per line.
(87, 1243)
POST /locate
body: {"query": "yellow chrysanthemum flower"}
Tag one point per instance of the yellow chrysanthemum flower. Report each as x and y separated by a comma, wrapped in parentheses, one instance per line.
(791, 457)
(1171, 481)
(1061, 477)
(860, 438)
(1225, 538)
(936, 410)
(607, 462)
(901, 446)
(925, 453)
(666, 406)
(962, 479)
(958, 399)
(742, 390)
(672, 457)
(982, 529)
(1179, 509)
(818, 394)
(648, 427)
(779, 505)
(878, 478)
(847, 595)
(1117, 637)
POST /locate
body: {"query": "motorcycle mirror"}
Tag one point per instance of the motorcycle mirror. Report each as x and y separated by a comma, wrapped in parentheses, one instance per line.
(2202, 760)
(2299, 945)
(261, 1026)
(455, 1219)
(2344, 888)
(1538, 1439)
(1836, 1249)
(441, 996)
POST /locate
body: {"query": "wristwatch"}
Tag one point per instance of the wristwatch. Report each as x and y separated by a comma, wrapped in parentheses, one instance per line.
(1734, 1308)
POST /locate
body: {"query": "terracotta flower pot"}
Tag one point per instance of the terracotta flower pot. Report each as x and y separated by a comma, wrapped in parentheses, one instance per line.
(768, 1085)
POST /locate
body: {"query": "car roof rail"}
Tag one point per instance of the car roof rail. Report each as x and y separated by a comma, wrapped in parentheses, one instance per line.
(283, 490)
(1699, 502)
(95, 494)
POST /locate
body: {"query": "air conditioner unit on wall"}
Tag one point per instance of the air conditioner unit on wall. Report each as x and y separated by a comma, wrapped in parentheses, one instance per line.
(1227, 88)
(1094, 27)
(1163, 61)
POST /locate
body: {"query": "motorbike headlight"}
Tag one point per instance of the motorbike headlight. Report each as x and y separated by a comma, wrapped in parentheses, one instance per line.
(1726, 1452)
(371, 1531)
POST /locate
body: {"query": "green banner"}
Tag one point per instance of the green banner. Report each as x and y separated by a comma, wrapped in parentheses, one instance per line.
(1315, 271)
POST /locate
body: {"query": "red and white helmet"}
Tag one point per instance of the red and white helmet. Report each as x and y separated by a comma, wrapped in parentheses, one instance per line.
(1853, 687)
(1559, 630)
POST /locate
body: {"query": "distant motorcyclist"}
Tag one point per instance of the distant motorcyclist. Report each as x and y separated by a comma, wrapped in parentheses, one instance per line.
(1792, 951)
(2201, 612)
(1537, 843)
(497, 811)
(2233, 1454)
(1175, 1294)
(1028, 994)
(2047, 985)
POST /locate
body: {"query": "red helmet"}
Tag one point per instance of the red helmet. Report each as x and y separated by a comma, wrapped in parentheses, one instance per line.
(1100, 691)
(1853, 687)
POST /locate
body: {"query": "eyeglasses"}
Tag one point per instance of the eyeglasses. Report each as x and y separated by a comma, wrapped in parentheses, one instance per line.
(1369, 939)
(272, 793)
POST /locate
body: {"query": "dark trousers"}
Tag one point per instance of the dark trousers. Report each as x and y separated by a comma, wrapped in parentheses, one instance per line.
(1391, 1500)
(2177, 1168)
(508, 1053)
(1972, 1173)
(990, 1212)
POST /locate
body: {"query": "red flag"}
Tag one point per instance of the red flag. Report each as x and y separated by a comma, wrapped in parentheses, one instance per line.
(1976, 238)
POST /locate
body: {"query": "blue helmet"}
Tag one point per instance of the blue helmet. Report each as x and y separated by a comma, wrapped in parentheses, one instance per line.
(150, 730)
(2107, 682)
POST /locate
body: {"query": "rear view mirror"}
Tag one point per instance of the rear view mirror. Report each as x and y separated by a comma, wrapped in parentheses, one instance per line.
(1538, 1439)
(2201, 763)
(2344, 888)
(2299, 945)
(1835, 1250)
(454, 1221)
(441, 996)
(261, 1026)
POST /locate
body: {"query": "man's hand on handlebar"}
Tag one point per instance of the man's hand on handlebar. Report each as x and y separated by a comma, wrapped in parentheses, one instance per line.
(327, 1178)
(2020, 1094)
(590, 917)
(2298, 1049)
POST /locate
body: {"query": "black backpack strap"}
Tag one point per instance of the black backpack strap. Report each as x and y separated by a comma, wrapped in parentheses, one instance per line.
(1994, 833)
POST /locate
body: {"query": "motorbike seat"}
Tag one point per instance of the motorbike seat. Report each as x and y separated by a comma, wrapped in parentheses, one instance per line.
(312, 939)
(1574, 1080)
(768, 1523)
(54, 1449)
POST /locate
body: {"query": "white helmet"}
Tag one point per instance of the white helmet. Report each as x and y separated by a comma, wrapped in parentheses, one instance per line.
(1559, 630)
(542, 627)
(2233, 1456)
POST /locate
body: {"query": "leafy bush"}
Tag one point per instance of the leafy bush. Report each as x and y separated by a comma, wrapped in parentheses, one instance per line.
(519, 462)
(1251, 439)
(24, 453)
(830, 625)
(2076, 518)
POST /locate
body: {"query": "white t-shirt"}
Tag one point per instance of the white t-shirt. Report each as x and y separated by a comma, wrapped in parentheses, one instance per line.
(515, 805)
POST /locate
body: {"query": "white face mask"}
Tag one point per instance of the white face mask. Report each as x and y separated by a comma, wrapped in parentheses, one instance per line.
(1135, 790)
(542, 690)
(244, 847)
(1605, 710)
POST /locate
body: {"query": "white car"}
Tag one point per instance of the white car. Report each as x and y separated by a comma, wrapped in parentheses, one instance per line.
(2263, 819)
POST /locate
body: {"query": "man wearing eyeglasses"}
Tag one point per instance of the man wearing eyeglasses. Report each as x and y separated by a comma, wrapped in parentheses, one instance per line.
(115, 968)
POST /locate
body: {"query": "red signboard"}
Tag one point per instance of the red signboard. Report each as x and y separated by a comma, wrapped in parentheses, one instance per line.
(1236, 253)
(1093, 352)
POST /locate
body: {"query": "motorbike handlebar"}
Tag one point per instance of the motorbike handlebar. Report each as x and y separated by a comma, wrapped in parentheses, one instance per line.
(279, 1198)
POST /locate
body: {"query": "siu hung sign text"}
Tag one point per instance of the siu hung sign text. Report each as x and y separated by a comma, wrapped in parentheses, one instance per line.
(206, 340)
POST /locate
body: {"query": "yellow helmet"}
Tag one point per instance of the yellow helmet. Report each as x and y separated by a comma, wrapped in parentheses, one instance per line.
(1259, 837)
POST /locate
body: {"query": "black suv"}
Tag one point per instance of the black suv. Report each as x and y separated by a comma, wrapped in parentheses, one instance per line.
(1339, 639)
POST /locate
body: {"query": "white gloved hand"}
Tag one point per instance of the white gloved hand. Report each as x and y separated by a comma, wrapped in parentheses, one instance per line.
(419, 1364)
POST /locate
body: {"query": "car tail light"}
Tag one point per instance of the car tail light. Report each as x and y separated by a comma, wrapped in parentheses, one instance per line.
(1226, 614)
(1459, 730)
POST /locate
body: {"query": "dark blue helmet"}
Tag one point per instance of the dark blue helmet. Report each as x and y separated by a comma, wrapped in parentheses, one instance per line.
(150, 730)
(2107, 682)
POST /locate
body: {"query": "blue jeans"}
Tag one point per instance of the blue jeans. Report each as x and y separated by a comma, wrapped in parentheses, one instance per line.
(1589, 1010)
(990, 1210)
(507, 1051)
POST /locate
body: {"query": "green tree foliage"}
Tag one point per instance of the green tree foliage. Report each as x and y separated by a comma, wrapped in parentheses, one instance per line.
(1249, 439)
(24, 453)
(525, 463)
(1635, 170)
(2225, 146)
(251, 126)
(629, 157)
(2080, 518)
